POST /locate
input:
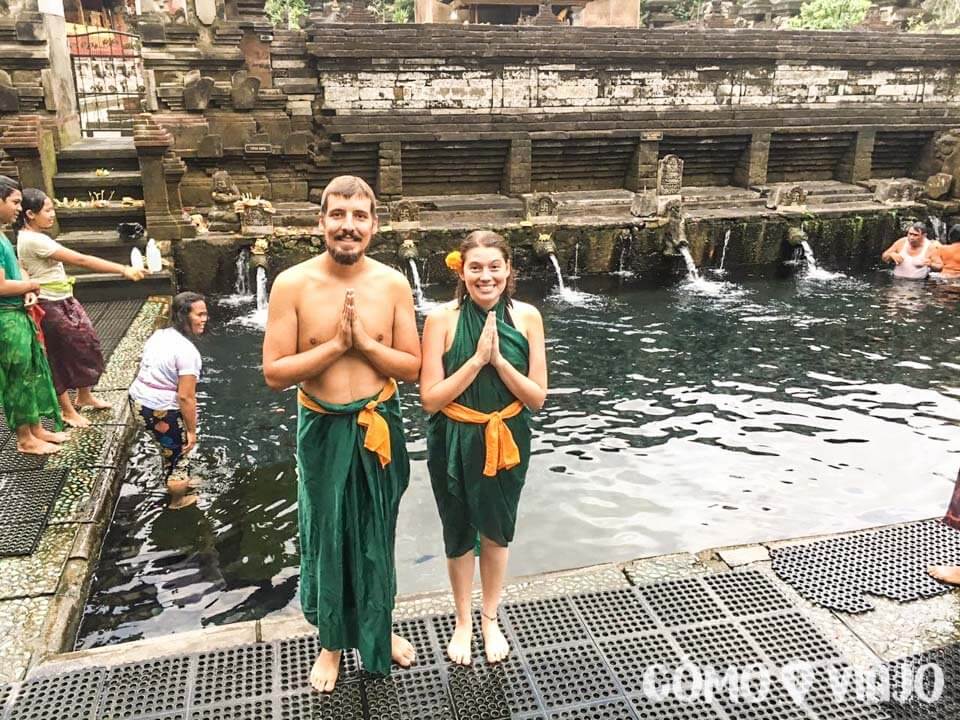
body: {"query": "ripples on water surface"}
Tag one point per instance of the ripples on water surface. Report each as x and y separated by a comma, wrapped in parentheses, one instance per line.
(678, 419)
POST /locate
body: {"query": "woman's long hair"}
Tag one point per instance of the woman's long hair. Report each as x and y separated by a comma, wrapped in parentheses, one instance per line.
(180, 311)
(486, 238)
(33, 200)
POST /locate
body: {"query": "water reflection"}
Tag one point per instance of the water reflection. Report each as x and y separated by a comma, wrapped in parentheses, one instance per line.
(676, 420)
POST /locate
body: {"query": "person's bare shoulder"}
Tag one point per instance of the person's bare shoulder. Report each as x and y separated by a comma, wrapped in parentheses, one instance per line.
(525, 311)
(443, 314)
(296, 274)
(388, 277)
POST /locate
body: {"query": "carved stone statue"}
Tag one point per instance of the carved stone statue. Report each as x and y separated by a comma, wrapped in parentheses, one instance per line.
(223, 218)
(670, 175)
(538, 206)
(947, 154)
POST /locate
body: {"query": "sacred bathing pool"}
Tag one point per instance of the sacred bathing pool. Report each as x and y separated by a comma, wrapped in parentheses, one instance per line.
(698, 210)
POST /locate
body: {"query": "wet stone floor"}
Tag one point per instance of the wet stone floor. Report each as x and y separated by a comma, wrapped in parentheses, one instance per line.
(51, 504)
(579, 656)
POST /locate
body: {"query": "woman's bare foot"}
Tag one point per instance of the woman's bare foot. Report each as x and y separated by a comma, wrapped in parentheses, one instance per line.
(85, 399)
(36, 446)
(325, 671)
(495, 645)
(458, 649)
(41, 433)
(402, 651)
(949, 574)
(76, 420)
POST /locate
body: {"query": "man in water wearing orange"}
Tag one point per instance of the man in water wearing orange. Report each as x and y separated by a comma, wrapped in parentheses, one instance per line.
(341, 327)
(911, 255)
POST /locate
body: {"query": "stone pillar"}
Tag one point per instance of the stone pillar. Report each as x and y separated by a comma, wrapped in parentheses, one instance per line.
(152, 142)
(59, 85)
(752, 168)
(390, 171)
(518, 171)
(32, 148)
(857, 164)
(173, 171)
(642, 171)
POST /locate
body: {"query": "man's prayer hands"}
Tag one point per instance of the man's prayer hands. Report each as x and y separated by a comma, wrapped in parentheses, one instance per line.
(345, 328)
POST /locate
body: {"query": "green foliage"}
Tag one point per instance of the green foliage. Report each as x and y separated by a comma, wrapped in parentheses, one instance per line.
(286, 12)
(686, 9)
(398, 11)
(938, 15)
(830, 14)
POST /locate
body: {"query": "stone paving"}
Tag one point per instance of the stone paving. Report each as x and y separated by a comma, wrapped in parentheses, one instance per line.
(42, 594)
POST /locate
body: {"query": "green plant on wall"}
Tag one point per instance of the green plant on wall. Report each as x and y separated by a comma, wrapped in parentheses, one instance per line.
(287, 13)
(830, 14)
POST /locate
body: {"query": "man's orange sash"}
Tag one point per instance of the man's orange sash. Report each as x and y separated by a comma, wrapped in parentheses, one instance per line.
(377, 437)
(502, 451)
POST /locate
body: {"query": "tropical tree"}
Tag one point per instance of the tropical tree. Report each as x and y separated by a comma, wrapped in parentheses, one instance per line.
(286, 12)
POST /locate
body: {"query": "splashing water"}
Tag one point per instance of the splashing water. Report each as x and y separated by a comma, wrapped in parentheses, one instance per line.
(256, 318)
(556, 269)
(692, 272)
(621, 270)
(241, 283)
(723, 255)
(576, 262)
(939, 228)
(417, 285)
(241, 286)
(814, 271)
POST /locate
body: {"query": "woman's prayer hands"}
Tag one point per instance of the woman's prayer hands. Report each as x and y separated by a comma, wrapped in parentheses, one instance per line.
(487, 340)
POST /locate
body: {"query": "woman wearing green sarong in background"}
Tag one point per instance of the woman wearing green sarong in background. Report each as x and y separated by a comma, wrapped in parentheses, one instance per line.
(26, 388)
(484, 369)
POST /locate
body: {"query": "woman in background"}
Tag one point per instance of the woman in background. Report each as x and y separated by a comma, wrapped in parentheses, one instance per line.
(164, 394)
(26, 388)
(73, 347)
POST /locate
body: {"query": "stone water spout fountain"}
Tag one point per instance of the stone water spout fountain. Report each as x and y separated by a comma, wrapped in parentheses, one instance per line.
(544, 247)
(408, 252)
(258, 261)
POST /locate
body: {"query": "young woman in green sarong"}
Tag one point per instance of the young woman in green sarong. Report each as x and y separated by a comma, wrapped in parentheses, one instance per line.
(484, 370)
(26, 388)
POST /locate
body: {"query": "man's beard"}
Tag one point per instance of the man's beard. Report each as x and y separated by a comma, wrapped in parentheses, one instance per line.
(342, 257)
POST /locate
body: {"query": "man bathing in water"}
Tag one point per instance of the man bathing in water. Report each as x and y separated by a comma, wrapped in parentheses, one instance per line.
(341, 326)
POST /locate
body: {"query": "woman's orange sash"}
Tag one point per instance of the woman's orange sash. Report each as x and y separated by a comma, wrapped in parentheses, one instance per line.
(377, 437)
(502, 452)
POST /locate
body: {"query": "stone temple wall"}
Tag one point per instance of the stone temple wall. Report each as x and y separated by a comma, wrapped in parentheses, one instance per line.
(441, 109)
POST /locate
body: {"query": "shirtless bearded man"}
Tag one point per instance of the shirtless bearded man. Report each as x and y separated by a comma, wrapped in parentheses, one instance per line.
(341, 326)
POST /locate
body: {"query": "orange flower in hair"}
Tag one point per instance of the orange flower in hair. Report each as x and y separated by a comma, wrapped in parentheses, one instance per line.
(454, 261)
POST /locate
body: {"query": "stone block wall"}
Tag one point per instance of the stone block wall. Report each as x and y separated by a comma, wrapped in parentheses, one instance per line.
(740, 106)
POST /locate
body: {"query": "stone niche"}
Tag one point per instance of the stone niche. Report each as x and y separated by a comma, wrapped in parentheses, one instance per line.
(670, 175)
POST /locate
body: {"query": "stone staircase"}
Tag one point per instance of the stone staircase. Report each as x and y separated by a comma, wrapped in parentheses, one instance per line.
(94, 230)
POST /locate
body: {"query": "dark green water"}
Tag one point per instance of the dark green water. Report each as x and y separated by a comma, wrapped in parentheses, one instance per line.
(677, 420)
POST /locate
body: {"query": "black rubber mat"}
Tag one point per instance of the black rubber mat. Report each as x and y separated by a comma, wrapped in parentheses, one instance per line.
(578, 658)
(28, 498)
(947, 705)
(891, 562)
(12, 460)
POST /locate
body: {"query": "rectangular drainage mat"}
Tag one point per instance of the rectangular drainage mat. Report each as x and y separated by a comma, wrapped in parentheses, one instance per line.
(890, 562)
(573, 658)
(28, 498)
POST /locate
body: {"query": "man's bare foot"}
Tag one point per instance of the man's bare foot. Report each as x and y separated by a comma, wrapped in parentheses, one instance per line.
(50, 436)
(325, 670)
(458, 649)
(402, 651)
(495, 645)
(35, 446)
(76, 420)
(949, 574)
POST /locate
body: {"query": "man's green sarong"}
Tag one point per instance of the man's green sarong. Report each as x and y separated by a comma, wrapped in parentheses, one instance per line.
(26, 387)
(348, 506)
(470, 502)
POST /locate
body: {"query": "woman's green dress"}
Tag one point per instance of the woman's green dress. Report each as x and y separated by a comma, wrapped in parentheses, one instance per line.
(469, 502)
(26, 387)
